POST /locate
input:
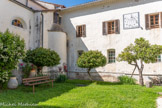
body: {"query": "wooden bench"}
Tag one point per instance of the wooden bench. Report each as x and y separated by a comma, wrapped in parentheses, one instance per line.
(36, 81)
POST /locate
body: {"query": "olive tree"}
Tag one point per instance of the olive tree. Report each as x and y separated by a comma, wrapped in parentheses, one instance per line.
(12, 48)
(42, 57)
(139, 53)
(90, 60)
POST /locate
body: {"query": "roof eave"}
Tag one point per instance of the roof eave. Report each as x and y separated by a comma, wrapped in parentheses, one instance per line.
(22, 5)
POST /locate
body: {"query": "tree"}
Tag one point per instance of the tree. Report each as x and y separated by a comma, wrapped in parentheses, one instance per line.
(12, 48)
(90, 60)
(139, 53)
(42, 57)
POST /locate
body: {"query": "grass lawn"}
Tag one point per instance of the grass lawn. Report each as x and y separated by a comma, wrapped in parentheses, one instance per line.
(94, 95)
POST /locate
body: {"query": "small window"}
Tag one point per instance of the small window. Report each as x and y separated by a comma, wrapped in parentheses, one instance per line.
(81, 31)
(17, 23)
(111, 27)
(80, 52)
(159, 58)
(152, 21)
(111, 56)
(57, 18)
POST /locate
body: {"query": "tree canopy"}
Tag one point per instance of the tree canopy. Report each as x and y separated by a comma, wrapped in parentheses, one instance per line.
(91, 59)
(139, 53)
(42, 57)
(12, 48)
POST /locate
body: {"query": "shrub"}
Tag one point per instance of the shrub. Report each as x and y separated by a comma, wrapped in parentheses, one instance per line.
(127, 80)
(42, 57)
(26, 70)
(91, 59)
(61, 78)
(12, 48)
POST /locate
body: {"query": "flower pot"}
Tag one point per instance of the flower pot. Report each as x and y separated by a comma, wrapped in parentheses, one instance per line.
(13, 83)
(33, 73)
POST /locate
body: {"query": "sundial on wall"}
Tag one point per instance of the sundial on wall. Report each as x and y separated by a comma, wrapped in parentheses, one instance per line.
(131, 20)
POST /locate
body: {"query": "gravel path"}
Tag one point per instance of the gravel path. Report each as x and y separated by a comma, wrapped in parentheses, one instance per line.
(159, 102)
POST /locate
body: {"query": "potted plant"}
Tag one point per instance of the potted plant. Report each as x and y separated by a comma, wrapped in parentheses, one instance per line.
(33, 71)
(13, 83)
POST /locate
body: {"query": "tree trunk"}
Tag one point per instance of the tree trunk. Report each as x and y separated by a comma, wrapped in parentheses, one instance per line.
(133, 71)
(140, 73)
(141, 78)
(88, 71)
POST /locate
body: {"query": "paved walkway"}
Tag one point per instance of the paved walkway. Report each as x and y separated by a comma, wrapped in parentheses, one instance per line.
(159, 102)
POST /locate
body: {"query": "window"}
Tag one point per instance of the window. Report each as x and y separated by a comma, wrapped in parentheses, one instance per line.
(17, 23)
(159, 58)
(57, 18)
(111, 56)
(153, 20)
(80, 52)
(111, 27)
(81, 31)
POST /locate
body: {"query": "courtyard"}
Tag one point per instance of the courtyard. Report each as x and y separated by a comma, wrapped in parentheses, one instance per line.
(82, 94)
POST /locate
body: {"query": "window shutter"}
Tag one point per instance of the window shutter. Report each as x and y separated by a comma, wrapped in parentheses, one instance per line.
(77, 31)
(104, 24)
(117, 27)
(56, 17)
(147, 22)
(84, 30)
(60, 19)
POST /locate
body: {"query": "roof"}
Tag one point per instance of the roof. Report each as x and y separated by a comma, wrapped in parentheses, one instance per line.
(57, 5)
(85, 4)
(56, 27)
(22, 5)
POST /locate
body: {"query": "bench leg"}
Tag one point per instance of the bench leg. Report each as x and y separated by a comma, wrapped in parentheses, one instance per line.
(52, 84)
(33, 89)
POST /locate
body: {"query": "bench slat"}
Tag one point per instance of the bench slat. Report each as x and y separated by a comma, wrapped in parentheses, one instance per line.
(39, 83)
(35, 80)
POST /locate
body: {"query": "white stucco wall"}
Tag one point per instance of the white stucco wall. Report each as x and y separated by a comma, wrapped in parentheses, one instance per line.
(48, 21)
(94, 40)
(10, 11)
(57, 42)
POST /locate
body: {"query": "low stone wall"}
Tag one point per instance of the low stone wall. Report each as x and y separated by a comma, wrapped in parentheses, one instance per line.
(107, 76)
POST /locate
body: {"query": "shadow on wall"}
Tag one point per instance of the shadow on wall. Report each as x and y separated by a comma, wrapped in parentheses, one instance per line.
(76, 44)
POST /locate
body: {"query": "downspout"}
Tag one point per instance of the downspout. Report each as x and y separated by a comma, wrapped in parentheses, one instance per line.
(26, 2)
(42, 28)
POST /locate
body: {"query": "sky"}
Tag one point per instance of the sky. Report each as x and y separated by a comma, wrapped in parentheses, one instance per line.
(68, 3)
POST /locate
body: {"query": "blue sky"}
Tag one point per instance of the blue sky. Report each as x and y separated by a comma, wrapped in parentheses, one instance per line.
(68, 3)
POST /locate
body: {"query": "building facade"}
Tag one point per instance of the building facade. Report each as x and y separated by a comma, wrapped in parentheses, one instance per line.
(105, 25)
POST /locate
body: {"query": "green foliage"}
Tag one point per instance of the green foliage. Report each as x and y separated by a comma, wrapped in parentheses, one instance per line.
(61, 78)
(141, 50)
(139, 53)
(127, 80)
(94, 95)
(42, 57)
(12, 48)
(26, 70)
(91, 59)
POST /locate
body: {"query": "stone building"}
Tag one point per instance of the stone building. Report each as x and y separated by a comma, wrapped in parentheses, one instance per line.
(105, 25)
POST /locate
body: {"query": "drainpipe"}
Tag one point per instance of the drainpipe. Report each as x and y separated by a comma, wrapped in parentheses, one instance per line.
(42, 27)
(26, 2)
